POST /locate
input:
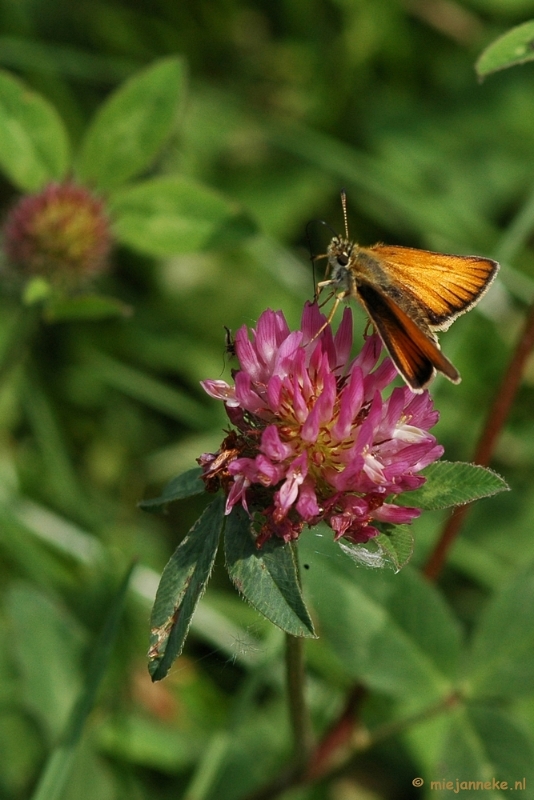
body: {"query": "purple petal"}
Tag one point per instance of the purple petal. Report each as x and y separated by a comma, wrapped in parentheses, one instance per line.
(395, 407)
(285, 354)
(321, 413)
(272, 446)
(312, 321)
(431, 456)
(247, 398)
(246, 467)
(237, 494)
(288, 492)
(385, 374)
(247, 354)
(300, 409)
(267, 473)
(421, 412)
(351, 401)
(271, 330)
(397, 515)
(307, 505)
(274, 393)
(370, 353)
(343, 339)
(220, 390)
(361, 534)
(348, 478)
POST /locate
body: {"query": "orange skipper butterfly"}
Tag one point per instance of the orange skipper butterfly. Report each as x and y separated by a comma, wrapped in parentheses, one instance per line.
(408, 294)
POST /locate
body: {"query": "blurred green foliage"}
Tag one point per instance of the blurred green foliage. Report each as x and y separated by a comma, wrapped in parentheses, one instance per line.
(287, 102)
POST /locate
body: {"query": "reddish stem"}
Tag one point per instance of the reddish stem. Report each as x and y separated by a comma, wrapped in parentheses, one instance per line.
(337, 741)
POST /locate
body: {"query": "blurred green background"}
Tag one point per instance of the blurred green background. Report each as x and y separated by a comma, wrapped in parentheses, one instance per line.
(287, 102)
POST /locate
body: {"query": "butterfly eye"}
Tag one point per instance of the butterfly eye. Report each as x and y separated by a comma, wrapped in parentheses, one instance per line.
(342, 259)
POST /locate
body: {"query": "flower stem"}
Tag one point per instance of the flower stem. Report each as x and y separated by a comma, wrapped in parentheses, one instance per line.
(298, 710)
(296, 681)
(495, 421)
(299, 717)
(19, 339)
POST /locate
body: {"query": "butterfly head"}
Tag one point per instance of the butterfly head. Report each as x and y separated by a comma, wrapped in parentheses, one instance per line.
(340, 254)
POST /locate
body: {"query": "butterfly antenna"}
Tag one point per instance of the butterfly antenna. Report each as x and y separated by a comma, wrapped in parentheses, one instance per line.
(344, 207)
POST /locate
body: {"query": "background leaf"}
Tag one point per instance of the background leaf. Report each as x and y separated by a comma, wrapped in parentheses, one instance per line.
(174, 215)
(87, 306)
(130, 129)
(503, 645)
(392, 632)
(180, 487)
(485, 744)
(49, 685)
(34, 148)
(143, 387)
(514, 47)
(57, 773)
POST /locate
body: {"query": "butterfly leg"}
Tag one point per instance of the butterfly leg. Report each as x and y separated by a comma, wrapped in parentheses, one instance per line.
(319, 288)
(341, 296)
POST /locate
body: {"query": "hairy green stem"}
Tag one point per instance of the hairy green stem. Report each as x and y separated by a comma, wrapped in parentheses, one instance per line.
(296, 695)
(298, 710)
(19, 340)
(294, 774)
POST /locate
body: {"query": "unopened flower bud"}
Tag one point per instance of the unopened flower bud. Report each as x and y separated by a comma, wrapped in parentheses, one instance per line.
(61, 234)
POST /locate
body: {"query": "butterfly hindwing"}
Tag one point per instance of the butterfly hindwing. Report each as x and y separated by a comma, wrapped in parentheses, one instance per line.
(414, 352)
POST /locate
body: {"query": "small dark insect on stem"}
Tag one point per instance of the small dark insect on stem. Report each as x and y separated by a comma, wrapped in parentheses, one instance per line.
(229, 347)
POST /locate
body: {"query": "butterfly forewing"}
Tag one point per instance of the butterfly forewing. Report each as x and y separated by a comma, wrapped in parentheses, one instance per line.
(443, 286)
